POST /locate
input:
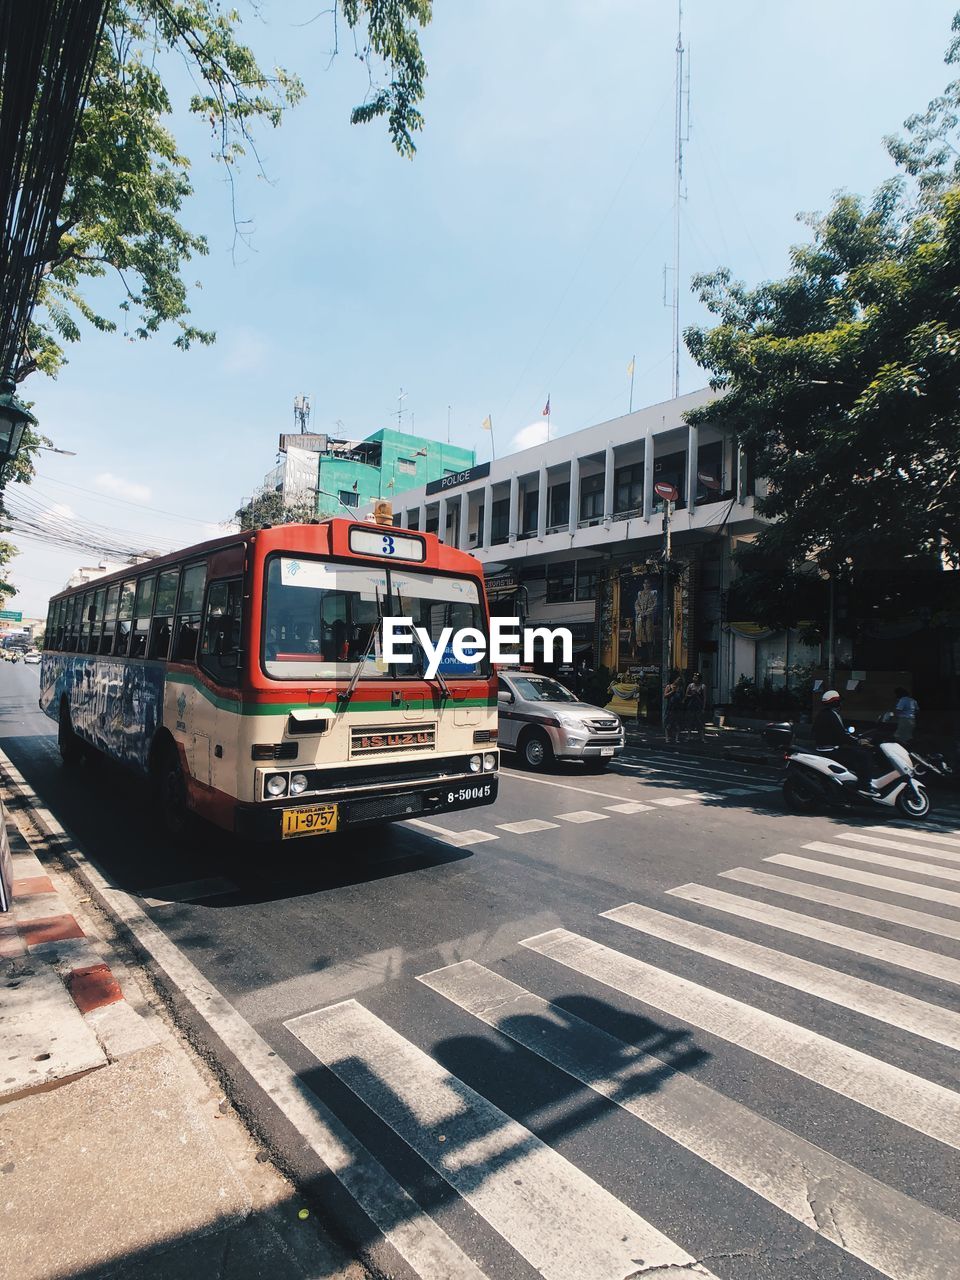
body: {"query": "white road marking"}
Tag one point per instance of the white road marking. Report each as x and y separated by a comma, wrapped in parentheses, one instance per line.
(897, 1236)
(917, 959)
(936, 835)
(668, 765)
(414, 1235)
(526, 828)
(459, 839)
(557, 1218)
(920, 1104)
(939, 925)
(671, 802)
(581, 815)
(189, 891)
(904, 846)
(894, 1008)
(892, 884)
(886, 860)
(564, 786)
(629, 806)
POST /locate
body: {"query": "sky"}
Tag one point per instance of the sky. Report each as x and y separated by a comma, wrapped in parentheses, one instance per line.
(519, 255)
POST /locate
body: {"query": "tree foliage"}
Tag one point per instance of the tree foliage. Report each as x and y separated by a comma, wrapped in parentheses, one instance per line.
(121, 217)
(268, 508)
(843, 380)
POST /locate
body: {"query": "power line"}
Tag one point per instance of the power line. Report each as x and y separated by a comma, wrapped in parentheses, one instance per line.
(103, 497)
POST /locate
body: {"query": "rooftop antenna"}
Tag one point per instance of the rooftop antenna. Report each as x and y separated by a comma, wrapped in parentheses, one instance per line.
(399, 411)
(301, 413)
(681, 135)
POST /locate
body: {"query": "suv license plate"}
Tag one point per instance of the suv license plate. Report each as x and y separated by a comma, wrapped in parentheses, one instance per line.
(606, 751)
(317, 820)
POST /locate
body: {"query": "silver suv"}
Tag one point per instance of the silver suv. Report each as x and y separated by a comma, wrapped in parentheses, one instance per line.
(541, 720)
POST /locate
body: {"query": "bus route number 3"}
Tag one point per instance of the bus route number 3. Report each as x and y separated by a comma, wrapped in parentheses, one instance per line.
(389, 546)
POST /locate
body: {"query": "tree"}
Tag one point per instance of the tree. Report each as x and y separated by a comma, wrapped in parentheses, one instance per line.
(129, 179)
(268, 508)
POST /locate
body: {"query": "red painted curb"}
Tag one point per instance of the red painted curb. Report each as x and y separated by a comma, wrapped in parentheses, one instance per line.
(49, 929)
(32, 884)
(93, 987)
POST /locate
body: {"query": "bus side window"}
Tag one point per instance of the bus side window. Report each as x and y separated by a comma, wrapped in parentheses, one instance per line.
(86, 622)
(142, 612)
(96, 621)
(188, 613)
(166, 601)
(125, 617)
(110, 618)
(220, 642)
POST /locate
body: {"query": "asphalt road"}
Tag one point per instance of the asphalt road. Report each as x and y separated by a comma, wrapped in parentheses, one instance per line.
(585, 1029)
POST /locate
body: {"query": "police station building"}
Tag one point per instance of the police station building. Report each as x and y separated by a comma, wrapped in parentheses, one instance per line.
(570, 533)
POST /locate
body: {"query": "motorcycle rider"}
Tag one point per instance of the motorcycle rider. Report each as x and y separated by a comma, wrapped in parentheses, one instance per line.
(832, 737)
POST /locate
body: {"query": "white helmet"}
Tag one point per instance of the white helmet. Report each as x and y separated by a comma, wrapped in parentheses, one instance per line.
(830, 696)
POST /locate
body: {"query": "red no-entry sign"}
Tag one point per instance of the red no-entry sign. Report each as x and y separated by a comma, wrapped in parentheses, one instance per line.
(664, 489)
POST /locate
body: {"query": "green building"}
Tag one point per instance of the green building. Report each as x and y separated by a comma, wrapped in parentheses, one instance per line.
(355, 473)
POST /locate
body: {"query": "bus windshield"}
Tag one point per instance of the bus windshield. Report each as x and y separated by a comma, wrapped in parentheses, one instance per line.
(320, 619)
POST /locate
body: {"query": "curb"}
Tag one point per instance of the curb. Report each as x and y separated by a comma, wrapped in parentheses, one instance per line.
(41, 926)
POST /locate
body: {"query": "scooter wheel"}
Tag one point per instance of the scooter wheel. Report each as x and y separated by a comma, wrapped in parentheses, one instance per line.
(913, 803)
(799, 795)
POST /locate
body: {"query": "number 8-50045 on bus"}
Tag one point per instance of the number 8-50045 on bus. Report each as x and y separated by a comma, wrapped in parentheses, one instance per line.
(245, 677)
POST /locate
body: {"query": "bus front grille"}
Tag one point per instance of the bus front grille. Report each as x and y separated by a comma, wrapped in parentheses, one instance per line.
(374, 808)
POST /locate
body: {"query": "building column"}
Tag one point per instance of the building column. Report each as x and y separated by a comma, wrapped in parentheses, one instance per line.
(487, 515)
(464, 541)
(422, 517)
(574, 493)
(513, 520)
(693, 449)
(404, 518)
(608, 472)
(648, 445)
(442, 518)
(542, 502)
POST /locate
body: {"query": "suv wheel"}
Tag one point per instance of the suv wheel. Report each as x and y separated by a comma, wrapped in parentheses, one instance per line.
(536, 750)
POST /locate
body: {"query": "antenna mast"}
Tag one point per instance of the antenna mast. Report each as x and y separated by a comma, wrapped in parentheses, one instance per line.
(680, 138)
(301, 413)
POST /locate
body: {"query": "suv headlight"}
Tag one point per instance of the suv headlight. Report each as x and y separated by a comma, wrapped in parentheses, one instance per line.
(570, 722)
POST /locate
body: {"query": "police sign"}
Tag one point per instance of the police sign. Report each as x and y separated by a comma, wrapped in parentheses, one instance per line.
(456, 478)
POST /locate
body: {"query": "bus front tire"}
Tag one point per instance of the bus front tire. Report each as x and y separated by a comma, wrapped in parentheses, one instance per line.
(68, 744)
(171, 793)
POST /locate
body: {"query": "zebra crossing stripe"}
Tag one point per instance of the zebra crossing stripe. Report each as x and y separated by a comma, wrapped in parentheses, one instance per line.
(628, 806)
(894, 914)
(920, 1018)
(917, 959)
(890, 1232)
(892, 884)
(527, 827)
(556, 1217)
(459, 839)
(904, 846)
(886, 860)
(920, 1104)
(951, 838)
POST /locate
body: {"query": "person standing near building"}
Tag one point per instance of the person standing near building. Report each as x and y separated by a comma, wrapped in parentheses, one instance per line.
(672, 709)
(695, 706)
(906, 713)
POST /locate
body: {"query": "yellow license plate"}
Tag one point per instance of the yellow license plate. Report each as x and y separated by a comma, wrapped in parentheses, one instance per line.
(317, 820)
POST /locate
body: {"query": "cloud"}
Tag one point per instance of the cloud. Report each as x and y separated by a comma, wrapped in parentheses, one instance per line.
(61, 511)
(121, 488)
(529, 437)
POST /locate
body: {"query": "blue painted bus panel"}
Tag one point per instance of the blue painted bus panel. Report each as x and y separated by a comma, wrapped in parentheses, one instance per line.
(115, 705)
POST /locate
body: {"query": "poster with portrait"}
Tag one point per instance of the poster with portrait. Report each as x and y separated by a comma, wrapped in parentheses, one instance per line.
(640, 634)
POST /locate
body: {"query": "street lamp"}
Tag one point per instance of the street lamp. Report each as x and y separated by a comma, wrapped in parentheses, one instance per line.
(14, 420)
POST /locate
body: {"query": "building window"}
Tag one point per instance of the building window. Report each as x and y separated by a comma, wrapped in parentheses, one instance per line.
(407, 466)
(591, 497)
(531, 503)
(559, 501)
(628, 488)
(586, 581)
(560, 582)
(501, 521)
(349, 498)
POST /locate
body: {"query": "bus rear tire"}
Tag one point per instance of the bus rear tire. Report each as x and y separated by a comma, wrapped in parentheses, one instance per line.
(171, 793)
(68, 744)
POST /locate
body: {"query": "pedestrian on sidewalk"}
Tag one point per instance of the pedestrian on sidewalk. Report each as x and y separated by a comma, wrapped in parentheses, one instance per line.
(695, 706)
(906, 713)
(672, 709)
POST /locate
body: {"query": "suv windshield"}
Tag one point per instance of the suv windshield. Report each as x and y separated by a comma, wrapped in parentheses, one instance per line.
(320, 618)
(542, 689)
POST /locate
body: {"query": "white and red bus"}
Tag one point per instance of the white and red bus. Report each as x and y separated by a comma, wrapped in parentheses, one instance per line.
(245, 677)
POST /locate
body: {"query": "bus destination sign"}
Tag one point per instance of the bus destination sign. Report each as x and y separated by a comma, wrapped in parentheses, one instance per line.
(391, 544)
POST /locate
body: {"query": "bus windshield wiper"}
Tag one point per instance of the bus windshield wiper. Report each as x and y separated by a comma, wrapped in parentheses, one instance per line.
(344, 697)
(444, 687)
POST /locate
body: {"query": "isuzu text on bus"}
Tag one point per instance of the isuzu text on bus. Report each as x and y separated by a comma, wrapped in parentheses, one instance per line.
(246, 678)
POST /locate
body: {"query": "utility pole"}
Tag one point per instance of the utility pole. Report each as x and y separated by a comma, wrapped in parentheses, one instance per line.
(667, 613)
(681, 135)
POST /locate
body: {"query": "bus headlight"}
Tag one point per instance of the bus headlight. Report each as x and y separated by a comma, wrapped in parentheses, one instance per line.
(489, 761)
(476, 764)
(276, 784)
(298, 783)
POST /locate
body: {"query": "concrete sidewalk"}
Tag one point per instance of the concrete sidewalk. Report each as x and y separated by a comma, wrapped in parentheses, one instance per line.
(118, 1154)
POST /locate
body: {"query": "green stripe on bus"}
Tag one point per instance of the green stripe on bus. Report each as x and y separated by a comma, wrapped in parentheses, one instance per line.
(241, 708)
